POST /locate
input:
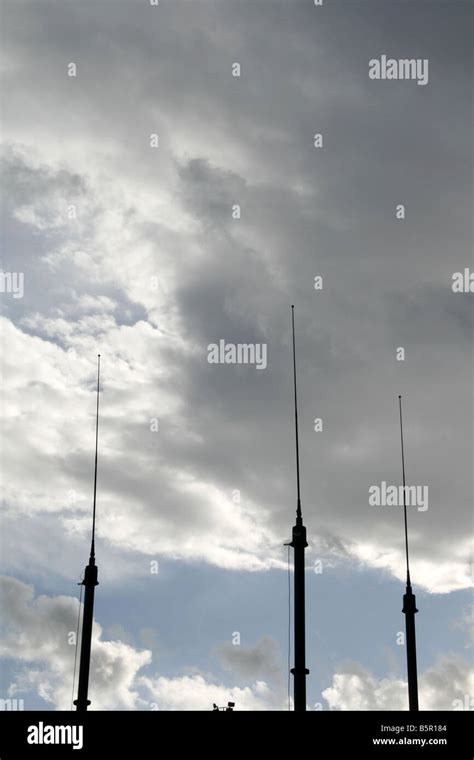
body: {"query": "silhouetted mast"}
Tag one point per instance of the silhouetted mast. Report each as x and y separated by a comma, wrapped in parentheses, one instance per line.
(90, 582)
(409, 600)
(299, 544)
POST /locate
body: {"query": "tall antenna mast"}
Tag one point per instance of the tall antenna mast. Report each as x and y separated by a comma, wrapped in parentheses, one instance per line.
(90, 582)
(299, 544)
(409, 599)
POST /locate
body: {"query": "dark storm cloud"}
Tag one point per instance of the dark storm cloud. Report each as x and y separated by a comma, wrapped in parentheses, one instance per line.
(304, 212)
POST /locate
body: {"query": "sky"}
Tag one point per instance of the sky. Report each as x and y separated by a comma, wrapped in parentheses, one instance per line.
(154, 204)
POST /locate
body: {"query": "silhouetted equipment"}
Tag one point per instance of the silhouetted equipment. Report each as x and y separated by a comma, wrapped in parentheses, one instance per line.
(90, 582)
(299, 544)
(229, 708)
(409, 600)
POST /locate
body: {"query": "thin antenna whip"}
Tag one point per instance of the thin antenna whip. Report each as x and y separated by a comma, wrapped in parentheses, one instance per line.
(96, 453)
(298, 507)
(404, 492)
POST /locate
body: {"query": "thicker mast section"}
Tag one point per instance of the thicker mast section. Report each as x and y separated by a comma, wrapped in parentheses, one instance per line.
(409, 608)
(90, 582)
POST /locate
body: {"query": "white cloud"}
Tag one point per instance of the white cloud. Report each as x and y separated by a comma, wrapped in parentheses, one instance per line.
(54, 430)
(196, 693)
(440, 575)
(447, 685)
(35, 635)
(36, 632)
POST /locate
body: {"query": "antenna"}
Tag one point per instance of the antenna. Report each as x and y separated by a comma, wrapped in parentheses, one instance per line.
(90, 582)
(299, 544)
(409, 599)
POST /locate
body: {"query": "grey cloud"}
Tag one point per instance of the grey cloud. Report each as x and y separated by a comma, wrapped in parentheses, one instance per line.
(262, 661)
(304, 213)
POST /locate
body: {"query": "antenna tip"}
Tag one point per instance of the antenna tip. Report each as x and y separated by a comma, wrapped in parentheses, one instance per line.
(292, 305)
(399, 397)
(98, 355)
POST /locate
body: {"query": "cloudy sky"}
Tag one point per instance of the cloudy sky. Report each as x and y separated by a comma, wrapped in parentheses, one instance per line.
(120, 187)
